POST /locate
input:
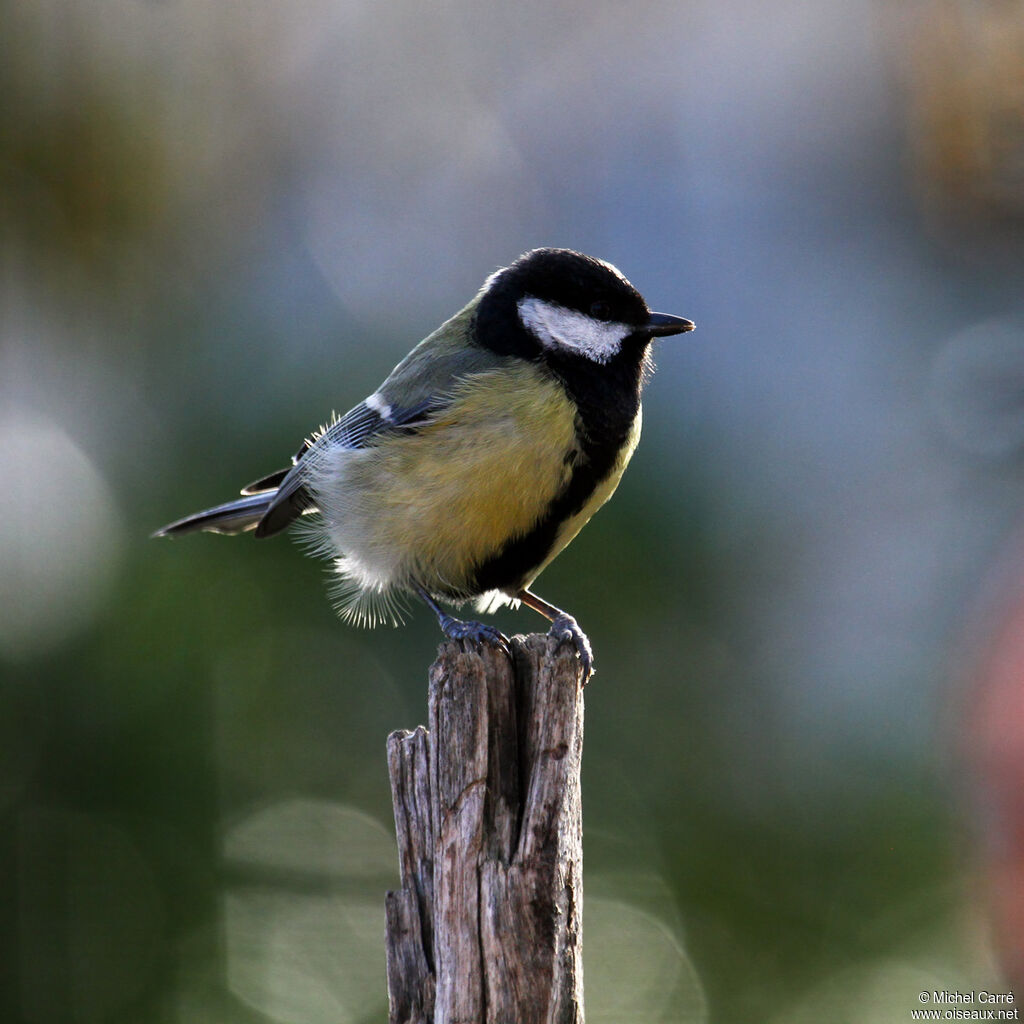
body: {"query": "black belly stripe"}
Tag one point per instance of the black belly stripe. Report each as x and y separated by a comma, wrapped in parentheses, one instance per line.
(520, 555)
(605, 417)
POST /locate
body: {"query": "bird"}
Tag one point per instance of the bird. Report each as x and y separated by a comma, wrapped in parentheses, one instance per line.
(480, 457)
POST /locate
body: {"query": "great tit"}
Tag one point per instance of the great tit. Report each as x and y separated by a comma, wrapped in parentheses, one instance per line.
(482, 455)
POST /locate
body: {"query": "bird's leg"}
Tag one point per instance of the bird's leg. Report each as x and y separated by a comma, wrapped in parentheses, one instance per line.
(457, 629)
(564, 627)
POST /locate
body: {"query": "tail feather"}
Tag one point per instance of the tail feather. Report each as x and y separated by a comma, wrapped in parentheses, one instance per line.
(233, 517)
(266, 483)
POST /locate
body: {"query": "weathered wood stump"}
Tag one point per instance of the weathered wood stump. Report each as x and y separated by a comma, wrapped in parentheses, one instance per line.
(487, 924)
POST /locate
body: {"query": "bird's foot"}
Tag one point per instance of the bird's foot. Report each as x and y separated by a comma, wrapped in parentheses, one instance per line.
(477, 632)
(565, 627)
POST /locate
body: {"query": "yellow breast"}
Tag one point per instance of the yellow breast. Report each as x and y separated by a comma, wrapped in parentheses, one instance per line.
(432, 505)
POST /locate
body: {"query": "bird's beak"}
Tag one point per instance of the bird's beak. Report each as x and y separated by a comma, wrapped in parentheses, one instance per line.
(662, 324)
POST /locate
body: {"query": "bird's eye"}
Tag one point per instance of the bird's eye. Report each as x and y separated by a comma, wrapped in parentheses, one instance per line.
(600, 310)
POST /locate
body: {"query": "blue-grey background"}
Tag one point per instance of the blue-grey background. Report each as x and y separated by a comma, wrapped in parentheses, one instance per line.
(220, 222)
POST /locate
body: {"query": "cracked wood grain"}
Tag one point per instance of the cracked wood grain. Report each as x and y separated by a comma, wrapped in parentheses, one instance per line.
(486, 927)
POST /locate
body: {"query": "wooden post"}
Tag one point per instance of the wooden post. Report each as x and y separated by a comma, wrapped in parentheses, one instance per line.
(486, 926)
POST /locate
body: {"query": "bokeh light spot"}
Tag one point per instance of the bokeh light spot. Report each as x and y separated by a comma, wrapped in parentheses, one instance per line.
(636, 969)
(59, 546)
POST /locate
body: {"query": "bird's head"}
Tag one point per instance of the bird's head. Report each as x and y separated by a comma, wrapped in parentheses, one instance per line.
(560, 304)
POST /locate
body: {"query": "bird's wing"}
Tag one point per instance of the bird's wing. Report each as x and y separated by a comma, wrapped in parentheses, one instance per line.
(418, 388)
(356, 429)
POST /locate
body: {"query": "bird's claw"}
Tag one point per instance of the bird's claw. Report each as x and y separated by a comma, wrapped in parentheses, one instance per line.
(477, 632)
(566, 628)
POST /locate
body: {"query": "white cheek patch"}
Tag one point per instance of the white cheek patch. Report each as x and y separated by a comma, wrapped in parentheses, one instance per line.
(557, 327)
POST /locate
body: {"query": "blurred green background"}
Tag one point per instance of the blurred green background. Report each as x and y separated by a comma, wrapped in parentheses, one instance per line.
(220, 222)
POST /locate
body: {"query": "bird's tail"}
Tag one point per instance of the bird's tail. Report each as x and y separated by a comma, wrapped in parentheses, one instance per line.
(232, 517)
